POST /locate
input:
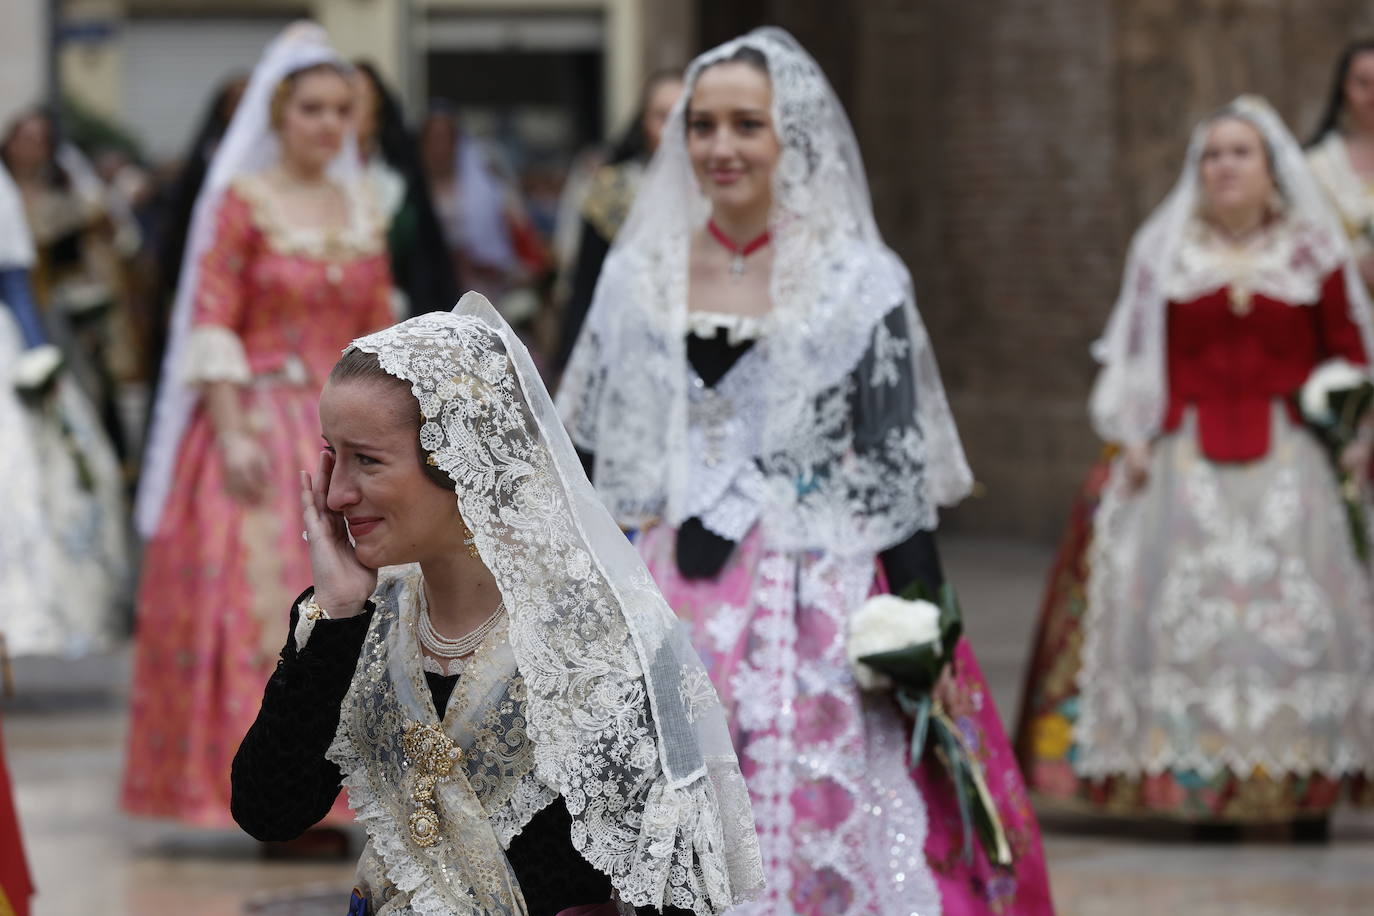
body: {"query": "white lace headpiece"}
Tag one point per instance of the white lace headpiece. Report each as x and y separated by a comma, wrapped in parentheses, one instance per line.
(249, 145)
(1130, 395)
(834, 430)
(625, 724)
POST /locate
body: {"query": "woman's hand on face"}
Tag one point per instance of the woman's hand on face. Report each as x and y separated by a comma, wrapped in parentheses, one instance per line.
(246, 468)
(1137, 458)
(342, 583)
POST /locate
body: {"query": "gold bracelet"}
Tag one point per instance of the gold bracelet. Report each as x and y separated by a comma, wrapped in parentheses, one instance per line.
(312, 610)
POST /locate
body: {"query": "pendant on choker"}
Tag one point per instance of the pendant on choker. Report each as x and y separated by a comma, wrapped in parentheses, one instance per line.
(738, 252)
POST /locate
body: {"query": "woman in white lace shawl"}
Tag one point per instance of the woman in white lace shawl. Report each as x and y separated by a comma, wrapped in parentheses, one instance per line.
(1341, 152)
(759, 396)
(522, 724)
(1210, 657)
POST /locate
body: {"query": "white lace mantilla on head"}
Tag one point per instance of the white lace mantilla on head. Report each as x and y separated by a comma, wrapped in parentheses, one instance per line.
(843, 439)
(650, 779)
(1168, 260)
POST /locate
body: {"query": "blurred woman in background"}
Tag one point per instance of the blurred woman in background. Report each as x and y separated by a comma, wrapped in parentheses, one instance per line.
(421, 267)
(64, 546)
(1208, 655)
(74, 277)
(285, 263)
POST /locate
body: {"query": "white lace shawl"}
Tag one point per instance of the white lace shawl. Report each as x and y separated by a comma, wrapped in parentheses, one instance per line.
(1352, 197)
(1168, 260)
(833, 430)
(623, 720)
(488, 798)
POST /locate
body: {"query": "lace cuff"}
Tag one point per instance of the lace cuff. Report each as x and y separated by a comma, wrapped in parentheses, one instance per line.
(308, 611)
(738, 508)
(215, 354)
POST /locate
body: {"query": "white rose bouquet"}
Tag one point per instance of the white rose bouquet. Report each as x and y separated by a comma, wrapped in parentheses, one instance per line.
(904, 644)
(1334, 402)
(36, 369)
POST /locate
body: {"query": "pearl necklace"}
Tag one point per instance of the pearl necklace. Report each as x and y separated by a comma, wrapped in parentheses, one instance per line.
(443, 647)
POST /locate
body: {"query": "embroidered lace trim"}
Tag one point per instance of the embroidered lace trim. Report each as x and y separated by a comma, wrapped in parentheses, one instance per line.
(215, 354)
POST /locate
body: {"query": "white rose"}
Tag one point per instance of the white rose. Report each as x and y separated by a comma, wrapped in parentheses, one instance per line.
(36, 367)
(1331, 376)
(886, 623)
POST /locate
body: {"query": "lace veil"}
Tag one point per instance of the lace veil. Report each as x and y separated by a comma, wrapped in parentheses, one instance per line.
(249, 145)
(625, 724)
(1130, 395)
(833, 430)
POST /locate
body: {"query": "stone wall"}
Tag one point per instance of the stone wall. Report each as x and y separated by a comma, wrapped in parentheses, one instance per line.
(1012, 146)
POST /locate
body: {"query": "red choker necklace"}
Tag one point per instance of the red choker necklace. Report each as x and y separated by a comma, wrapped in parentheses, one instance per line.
(740, 252)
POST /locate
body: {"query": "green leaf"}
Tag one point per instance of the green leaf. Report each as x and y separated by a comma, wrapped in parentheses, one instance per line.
(918, 707)
(916, 667)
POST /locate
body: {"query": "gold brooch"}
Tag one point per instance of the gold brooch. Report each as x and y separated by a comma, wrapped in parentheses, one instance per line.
(432, 754)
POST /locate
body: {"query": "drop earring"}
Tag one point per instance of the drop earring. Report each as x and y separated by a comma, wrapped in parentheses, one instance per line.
(470, 541)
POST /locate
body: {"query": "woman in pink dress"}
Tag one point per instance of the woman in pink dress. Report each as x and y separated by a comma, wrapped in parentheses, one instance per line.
(761, 400)
(285, 265)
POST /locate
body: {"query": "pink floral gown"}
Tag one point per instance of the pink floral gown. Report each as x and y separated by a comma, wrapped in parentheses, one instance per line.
(273, 309)
(846, 826)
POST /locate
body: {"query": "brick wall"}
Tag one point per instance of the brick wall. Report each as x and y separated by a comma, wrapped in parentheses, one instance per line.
(1012, 146)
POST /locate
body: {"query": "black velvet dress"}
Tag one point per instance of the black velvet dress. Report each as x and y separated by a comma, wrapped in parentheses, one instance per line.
(283, 784)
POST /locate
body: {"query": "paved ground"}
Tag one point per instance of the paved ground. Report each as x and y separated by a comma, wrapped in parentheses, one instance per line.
(65, 731)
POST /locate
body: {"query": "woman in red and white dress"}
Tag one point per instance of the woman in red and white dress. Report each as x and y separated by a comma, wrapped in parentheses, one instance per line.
(1215, 665)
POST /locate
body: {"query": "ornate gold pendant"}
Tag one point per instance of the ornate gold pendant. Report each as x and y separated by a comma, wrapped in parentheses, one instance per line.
(432, 755)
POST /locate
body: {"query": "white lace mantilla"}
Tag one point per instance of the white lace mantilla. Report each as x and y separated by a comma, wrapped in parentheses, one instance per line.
(1172, 258)
(1229, 621)
(833, 431)
(655, 794)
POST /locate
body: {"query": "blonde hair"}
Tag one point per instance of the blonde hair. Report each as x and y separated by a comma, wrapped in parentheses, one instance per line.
(282, 93)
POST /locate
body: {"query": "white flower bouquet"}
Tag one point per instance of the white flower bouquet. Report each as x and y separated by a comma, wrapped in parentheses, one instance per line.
(1333, 402)
(905, 644)
(36, 368)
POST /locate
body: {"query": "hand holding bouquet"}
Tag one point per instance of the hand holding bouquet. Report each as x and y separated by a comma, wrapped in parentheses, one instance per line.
(905, 644)
(1335, 402)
